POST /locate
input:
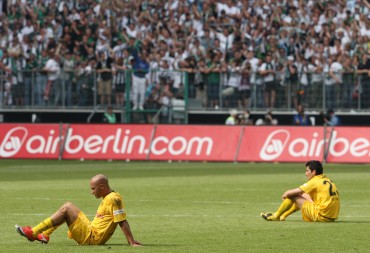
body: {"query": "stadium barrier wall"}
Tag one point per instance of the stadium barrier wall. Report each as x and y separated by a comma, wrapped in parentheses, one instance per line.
(185, 143)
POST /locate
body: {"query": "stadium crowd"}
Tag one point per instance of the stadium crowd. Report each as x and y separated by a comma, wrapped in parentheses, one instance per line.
(236, 54)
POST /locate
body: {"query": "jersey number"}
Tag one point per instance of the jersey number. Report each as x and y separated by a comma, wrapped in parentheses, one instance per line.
(330, 188)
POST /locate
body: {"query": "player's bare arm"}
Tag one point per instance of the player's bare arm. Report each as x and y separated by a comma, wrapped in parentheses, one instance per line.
(292, 193)
(125, 227)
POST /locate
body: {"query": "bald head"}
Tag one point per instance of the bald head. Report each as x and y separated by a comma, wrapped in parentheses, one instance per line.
(100, 179)
(99, 186)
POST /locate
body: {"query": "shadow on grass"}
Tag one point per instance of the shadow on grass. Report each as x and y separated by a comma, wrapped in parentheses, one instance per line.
(113, 245)
(144, 245)
(353, 222)
(336, 222)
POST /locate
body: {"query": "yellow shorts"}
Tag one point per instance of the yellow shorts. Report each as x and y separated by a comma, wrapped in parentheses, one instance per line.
(310, 212)
(80, 230)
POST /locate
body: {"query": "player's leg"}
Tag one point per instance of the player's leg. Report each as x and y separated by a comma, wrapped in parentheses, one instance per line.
(285, 206)
(298, 203)
(80, 230)
(299, 200)
(293, 209)
(67, 213)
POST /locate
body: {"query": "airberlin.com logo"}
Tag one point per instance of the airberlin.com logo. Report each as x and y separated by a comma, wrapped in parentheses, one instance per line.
(119, 142)
(13, 141)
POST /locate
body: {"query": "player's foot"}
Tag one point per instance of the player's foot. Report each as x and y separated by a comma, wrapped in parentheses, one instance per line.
(269, 217)
(42, 238)
(26, 232)
(282, 217)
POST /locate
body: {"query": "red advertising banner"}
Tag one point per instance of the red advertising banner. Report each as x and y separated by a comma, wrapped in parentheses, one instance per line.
(196, 143)
(185, 142)
(283, 144)
(299, 144)
(29, 141)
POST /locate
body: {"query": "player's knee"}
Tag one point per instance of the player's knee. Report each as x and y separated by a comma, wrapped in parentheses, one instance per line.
(66, 207)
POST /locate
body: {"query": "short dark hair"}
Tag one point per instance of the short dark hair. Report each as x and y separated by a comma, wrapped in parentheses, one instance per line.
(315, 165)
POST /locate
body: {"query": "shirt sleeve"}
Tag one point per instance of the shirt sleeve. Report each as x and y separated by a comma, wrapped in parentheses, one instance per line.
(119, 213)
(307, 187)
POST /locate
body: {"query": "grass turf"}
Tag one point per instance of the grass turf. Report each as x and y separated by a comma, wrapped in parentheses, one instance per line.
(184, 207)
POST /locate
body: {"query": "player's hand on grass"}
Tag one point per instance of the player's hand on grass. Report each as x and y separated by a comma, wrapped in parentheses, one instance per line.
(135, 244)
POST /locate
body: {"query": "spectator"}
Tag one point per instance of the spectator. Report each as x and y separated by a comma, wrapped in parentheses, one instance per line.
(232, 119)
(85, 81)
(109, 116)
(267, 120)
(331, 119)
(29, 76)
(317, 78)
(245, 118)
(364, 71)
(213, 80)
(14, 63)
(244, 89)
(189, 66)
(256, 85)
(200, 81)
(334, 81)
(140, 69)
(153, 102)
(104, 68)
(293, 81)
(301, 119)
(41, 78)
(120, 77)
(68, 63)
(52, 68)
(305, 70)
(349, 81)
(267, 70)
(233, 83)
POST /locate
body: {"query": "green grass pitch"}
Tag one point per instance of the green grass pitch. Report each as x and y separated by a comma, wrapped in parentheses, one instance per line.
(184, 207)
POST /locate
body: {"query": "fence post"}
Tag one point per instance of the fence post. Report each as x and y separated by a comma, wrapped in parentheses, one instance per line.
(327, 147)
(239, 145)
(151, 141)
(62, 140)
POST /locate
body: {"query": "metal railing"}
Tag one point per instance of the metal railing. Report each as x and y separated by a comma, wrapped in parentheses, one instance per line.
(170, 94)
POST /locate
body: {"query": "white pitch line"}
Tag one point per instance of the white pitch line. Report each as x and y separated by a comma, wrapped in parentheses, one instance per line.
(176, 215)
(179, 201)
(41, 198)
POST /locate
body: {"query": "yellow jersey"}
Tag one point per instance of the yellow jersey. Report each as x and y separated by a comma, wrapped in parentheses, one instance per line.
(110, 212)
(324, 194)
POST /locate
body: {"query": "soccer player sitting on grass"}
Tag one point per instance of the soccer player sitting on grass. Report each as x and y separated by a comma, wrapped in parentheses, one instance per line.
(110, 213)
(318, 198)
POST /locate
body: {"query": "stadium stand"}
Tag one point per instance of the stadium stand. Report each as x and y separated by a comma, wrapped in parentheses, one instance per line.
(214, 55)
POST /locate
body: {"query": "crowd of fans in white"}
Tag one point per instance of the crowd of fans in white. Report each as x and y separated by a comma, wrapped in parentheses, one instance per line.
(226, 54)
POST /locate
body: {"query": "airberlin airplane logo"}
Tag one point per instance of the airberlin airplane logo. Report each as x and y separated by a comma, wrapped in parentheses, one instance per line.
(274, 145)
(13, 141)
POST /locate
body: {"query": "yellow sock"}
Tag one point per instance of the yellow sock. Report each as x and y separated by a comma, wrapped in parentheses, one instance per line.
(43, 226)
(293, 209)
(50, 231)
(285, 206)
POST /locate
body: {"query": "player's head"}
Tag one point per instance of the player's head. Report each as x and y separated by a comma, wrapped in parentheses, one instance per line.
(315, 165)
(99, 186)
